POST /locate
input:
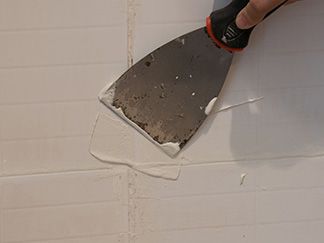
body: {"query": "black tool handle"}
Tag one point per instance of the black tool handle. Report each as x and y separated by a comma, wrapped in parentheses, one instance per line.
(222, 28)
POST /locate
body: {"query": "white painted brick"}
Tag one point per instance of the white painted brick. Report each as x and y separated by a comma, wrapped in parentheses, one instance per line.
(48, 155)
(116, 238)
(65, 188)
(48, 120)
(1, 155)
(301, 8)
(63, 221)
(229, 142)
(194, 212)
(294, 105)
(243, 75)
(282, 139)
(244, 234)
(29, 14)
(290, 206)
(58, 47)
(275, 75)
(199, 180)
(149, 37)
(283, 36)
(112, 139)
(59, 83)
(318, 195)
(299, 232)
(290, 174)
(154, 12)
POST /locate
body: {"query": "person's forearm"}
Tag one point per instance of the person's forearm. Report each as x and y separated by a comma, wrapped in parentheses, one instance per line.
(255, 11)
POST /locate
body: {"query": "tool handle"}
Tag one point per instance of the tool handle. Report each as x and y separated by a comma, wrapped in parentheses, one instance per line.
(222, 28)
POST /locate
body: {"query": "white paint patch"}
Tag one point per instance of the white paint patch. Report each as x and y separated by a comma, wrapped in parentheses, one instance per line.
(210, 106)
(107, 94)
(193, 94)
(243, 176)
(225, 108)
(171, 148)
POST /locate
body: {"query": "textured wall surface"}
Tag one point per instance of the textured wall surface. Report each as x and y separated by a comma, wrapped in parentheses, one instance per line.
(253, 174)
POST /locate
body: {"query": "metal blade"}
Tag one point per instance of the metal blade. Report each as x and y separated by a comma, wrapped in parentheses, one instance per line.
(165, 94)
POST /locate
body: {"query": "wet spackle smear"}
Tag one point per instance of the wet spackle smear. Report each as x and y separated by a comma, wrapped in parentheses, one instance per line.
(210, 106)
(112, 142)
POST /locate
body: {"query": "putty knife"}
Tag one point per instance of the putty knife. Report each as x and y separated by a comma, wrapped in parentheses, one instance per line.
(169, 93)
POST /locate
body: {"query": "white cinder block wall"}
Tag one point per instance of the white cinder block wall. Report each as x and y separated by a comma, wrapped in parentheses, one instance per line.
(55, 56)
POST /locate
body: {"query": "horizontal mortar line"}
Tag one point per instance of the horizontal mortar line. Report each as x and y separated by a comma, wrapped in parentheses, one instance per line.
(252, 160)
(195, 195)
(50, 102)
(61, 205)
(319, 220)
(69, 237)
(63, 28)
(10, 140)
(60, 173)
(256, 190)
(55, 65)
(286, 189)
(226, 226)
(207, 163)
(231, 226)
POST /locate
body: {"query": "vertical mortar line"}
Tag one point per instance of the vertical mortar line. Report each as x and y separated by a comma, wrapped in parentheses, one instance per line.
(1, 210)
(131, 205)
(130, 31)
(1, 184)
(130, 60)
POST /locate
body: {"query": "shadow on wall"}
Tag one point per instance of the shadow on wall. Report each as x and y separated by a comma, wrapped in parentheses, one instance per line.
(288, 122)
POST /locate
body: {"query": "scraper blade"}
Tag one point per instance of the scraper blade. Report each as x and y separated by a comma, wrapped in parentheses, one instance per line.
(168, 94)
(165, 95)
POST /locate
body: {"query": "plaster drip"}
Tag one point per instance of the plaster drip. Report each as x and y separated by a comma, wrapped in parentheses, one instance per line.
(188, 162)
(169, 170)
(250, 101)
(210, 106)
(243, 176)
